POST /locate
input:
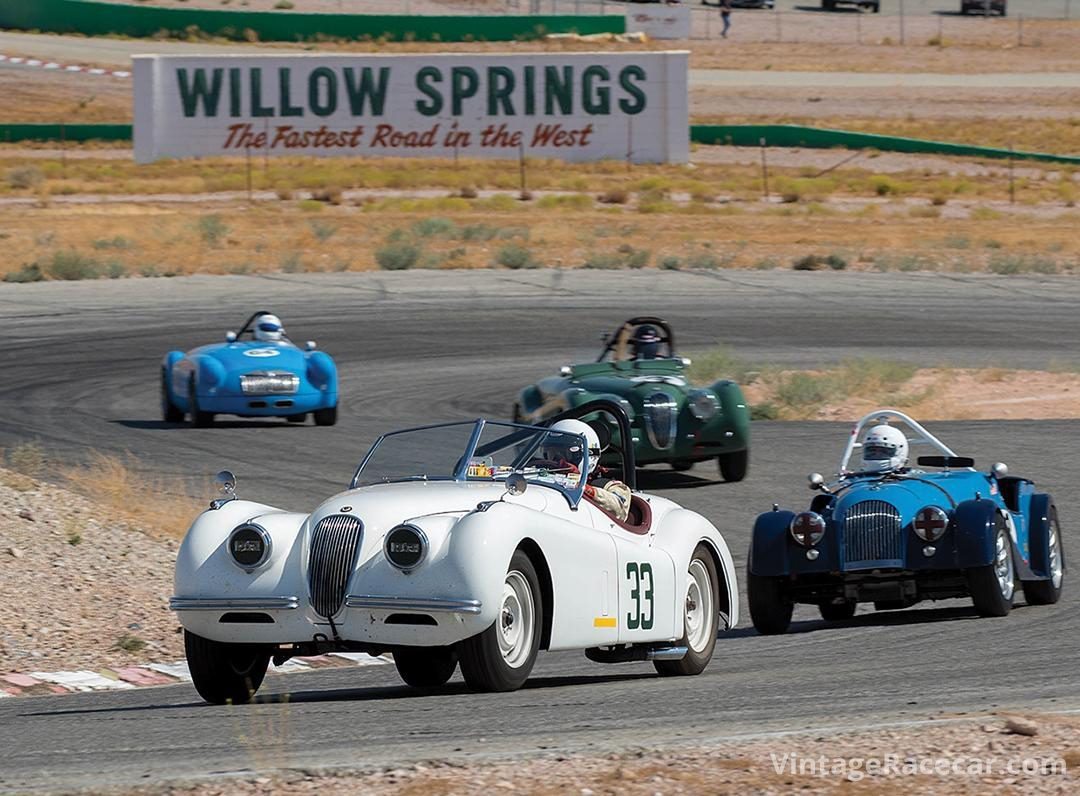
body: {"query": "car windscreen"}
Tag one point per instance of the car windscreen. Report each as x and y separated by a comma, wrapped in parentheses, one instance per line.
(430, 453)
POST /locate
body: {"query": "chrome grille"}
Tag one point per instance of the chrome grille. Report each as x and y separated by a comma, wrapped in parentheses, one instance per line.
(335, 545)
(269, 383)
(873, 535)
(660, 419)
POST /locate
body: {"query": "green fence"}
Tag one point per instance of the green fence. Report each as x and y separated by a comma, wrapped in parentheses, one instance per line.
(97, 19)
(791, 135)
(775, 135)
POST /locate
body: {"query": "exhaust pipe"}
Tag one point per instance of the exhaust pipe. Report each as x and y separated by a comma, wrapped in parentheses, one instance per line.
(666, 654)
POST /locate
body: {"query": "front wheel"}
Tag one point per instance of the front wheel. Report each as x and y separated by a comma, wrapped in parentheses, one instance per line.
(993, 585)
(170, 413)
(325, 417)
(296, 418)
(837, 612)
(502, 657)
(682, 465)
(1048, 592)
(199, 418)
(425, 667)
(770, 609)
(701, 617)
(225, 673)
(734, 466)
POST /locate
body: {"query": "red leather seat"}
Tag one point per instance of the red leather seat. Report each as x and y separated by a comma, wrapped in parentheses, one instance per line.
(638, 518)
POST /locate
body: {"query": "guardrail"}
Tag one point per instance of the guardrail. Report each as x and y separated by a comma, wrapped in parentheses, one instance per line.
(751, 135)
(98, 19)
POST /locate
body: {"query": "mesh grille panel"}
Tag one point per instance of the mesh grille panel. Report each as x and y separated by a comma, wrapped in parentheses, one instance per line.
(335, 545)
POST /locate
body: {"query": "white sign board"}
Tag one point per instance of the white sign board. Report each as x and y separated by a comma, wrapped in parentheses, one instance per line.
(659, 21)
(571, 106)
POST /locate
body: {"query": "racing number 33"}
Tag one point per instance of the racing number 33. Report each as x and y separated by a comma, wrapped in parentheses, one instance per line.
(641, 592)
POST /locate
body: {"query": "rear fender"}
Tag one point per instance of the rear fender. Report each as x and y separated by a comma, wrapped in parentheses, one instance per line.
(974, 523)
(768, 555)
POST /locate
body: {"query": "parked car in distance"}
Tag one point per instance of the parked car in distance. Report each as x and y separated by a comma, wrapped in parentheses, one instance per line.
(863, 5)
(894, 535)
(743, 3)
(985, 7)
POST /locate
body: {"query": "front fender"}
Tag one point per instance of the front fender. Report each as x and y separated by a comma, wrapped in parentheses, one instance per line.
(322, 372)
(768, 556)
(1039, 533)
(683, 530)
(209, 374)
(734, 411)
(204, 567)
(974, 524)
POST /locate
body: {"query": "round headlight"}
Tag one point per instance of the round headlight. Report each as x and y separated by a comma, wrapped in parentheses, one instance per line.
(405, 547)
(703, 405)
(930, 523)
(807, 528)
(249, 546)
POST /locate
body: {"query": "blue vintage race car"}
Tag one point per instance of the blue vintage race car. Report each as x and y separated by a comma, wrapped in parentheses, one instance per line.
(894, 535)
(250, 377)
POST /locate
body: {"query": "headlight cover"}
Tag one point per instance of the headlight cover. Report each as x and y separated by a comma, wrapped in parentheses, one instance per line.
(703, 405)
(249, 546)
(405, 547)
(930, 523)
(807, 528)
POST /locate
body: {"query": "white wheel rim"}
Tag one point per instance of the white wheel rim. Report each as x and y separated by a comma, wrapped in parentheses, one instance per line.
(516, 620)
(698, 606)
(1057, 571)
(1003, 567)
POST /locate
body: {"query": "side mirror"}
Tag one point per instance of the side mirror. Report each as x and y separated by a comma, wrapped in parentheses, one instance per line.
(999, 470)
(817, 481)
(310, 345)
(566, 371)
(230, 337)
(516, 484)
(226, 483)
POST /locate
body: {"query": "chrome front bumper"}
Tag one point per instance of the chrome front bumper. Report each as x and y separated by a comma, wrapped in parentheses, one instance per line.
(233, 603)
(427, 605)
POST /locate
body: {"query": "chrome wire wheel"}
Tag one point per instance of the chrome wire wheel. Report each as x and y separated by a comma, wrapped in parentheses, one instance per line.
(698, 606)
(1057, 567)
(1003, 567)
(516, 620)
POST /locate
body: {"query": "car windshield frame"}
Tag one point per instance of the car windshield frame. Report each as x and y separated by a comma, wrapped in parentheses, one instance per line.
(514, 434)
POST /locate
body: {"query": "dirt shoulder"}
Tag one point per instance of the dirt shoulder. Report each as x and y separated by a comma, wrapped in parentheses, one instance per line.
(1001, 753)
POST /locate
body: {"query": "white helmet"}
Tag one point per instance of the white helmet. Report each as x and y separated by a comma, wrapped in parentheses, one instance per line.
(268, 329)
(884, 449)
(585, 430)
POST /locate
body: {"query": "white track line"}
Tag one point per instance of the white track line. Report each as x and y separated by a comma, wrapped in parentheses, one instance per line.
(35, 63)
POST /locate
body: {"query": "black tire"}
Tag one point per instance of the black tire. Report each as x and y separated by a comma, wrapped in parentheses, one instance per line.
(296, 418)
(482, 662)
(828, 5)
(695, 660)
(425, 667)
(325, 417)
(837, 612)
(992, 587)
(199, 418)
(1044, 592)
(682, 466)
(170, 413)
(770, 609)
(734, 466)
(225, 673)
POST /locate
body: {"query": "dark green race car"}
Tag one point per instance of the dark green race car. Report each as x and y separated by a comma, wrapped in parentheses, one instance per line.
(673, 421)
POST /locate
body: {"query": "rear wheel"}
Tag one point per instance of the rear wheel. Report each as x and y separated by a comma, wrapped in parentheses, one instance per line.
(502, 657)
(425, 667)
(170, 413)
(1048, 592)
(325, 417)
(701, 617)
(770, 609)
(199, 418)
(225, 673)
(993, 585)
(297, 418)
(837, 612)
(734, 466)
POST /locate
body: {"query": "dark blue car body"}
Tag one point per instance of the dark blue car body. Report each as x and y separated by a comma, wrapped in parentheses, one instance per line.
(249, 378)
(870, 550)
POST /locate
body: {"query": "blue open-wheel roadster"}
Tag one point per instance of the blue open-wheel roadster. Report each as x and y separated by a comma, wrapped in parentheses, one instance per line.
(894, 535)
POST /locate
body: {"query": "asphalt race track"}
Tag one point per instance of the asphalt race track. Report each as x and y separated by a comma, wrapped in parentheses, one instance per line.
(80, 372)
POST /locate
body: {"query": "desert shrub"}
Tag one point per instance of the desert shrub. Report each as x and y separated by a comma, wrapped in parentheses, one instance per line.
(514, 255)
(30, 272)
(397, 256)
(27, 458)
(474, 232)
(614, 196)
(25, 177)
(119, 242)
(566, 201)
(212, 229)
(467, 192)
(328, 195)
(671, 263)
(764, 411)
(71, 266)
(322, 230)
(435, 227)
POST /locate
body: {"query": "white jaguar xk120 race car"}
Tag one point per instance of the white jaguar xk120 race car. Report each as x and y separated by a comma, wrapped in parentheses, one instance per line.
(477, 543)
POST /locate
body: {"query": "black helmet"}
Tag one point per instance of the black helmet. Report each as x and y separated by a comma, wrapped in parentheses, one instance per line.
(646, 342)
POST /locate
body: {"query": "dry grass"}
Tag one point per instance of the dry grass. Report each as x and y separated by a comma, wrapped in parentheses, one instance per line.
(157, 505)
